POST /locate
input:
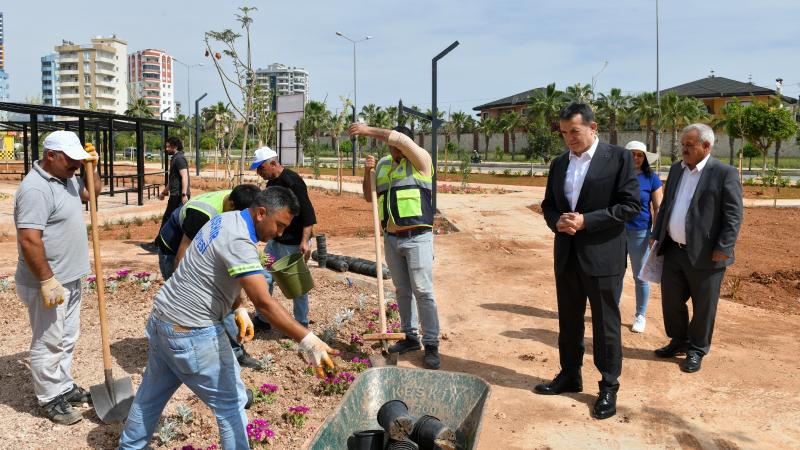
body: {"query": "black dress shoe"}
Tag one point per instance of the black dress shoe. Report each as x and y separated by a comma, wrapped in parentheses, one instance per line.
(692, 362)
(606, 405)
(561, 383)
(672, 349)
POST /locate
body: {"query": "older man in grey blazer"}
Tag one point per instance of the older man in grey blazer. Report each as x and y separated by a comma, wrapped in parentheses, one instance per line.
(696, 229)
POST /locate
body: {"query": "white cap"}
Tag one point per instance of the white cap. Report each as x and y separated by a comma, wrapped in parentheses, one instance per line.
(261, 155)
(638, 145)
(67, 142)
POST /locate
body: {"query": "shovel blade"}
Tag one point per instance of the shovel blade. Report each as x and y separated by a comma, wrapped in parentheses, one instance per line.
(113, 400)
(383, 359)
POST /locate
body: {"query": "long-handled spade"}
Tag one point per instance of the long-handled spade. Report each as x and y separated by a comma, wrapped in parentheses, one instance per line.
(386, 358)
(112, 399)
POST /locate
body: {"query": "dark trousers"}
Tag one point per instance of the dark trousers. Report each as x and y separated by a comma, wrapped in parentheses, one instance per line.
(173, 203)
(679, 281)
(573, 287)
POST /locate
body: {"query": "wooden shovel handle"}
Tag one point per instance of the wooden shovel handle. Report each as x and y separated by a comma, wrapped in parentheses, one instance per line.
(98, 268)
(376, 223)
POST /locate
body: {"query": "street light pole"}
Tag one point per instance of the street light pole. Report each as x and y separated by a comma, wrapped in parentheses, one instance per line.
(197, 135)
(658, 100)
(161, 116)
(188, 89)
(355, 91)
(435, 116)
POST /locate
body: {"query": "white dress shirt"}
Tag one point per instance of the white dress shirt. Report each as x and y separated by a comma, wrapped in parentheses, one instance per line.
(576, 173)
(683, 198)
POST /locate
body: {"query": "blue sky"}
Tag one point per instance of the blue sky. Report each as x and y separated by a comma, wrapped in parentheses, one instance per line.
(506, 46)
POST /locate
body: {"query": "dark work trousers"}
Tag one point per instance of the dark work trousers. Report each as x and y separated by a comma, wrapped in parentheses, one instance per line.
(573, 286)
(173, 203)
(679, 281)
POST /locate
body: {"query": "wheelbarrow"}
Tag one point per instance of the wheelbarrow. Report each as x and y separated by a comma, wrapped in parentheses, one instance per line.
(457, 399)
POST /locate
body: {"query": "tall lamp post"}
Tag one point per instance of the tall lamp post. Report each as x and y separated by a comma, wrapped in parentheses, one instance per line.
(188, 89)
(658, 100)
(355, 92)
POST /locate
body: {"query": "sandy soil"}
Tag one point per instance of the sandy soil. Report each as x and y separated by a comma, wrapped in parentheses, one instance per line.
(495, 289)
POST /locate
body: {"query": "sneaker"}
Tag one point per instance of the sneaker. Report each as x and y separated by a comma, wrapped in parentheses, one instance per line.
(61, 412)
(77, 396)
(245, 360)
(249, 399)
(431, 359)
(638, 324)
(261, 325)
(409, 344)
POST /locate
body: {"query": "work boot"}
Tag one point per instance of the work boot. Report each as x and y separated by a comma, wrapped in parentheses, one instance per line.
(261, 325)
(249, 399)
(245, 360)
(431, 359)
(150, 247)
(409, 344)
(61, 412)
(77, 396)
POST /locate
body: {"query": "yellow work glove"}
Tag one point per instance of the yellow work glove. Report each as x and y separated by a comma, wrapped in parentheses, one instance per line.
(244, 323)
(317, 353)
(93, 156)
(52, 292)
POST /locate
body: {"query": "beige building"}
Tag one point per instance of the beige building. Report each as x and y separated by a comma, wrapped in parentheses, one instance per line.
(94, 76)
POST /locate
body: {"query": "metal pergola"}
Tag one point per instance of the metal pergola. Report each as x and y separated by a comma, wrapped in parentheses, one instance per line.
(103, 125)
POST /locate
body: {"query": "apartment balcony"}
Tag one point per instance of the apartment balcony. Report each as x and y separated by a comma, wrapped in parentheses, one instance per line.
(70, 96)
(66, 72)
(106, 95)
(101, 70)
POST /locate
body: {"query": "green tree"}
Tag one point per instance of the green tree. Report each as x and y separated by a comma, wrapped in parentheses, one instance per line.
(509, 123)
(676, 113)
(730, 122)
(543, 143)
(614, 105)
(459, 121)
(137, 107)
(579, 93)
(486, 126)
(750, 152)
(763, 124)
(545, 105)
(646, 109)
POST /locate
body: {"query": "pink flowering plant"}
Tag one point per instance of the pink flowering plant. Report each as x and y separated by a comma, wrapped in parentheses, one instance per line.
(359, 365)
(123, 274)
(266, 393)
(392, 311)
(337, 384)
(296, 416)
(259, 433)
(356, 341)
(91, 282)
(267, 260)
(192, 447)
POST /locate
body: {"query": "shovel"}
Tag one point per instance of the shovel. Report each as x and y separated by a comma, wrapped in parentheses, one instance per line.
(386, 358)
(112, 399)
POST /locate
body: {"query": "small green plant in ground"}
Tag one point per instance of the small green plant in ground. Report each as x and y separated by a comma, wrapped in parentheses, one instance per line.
(266, 363)
(498, 153)
(106, 225)
(309, 370)
(507, 172)
(266, 393)
(492, 172)
(288, 344)
(185, 414)
(296, 416)
(139, 221)
(168, 431)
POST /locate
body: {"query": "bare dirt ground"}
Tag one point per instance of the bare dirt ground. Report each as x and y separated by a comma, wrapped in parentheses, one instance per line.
(495, 289)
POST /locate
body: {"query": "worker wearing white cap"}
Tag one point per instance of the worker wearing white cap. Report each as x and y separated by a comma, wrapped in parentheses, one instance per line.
(638, 228)
(53, 257)
(297, 236)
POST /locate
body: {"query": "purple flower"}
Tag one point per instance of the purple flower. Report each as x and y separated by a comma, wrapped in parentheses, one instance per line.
(91, 278)
(140, 275)
(356, 339)
(394, 307)
(122, 273)
(258, 431)
(370, 325)
(299, 409)
(268, 388)
(376, 313)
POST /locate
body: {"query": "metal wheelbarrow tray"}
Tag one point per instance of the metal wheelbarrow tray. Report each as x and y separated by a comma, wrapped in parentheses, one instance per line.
(457, 399)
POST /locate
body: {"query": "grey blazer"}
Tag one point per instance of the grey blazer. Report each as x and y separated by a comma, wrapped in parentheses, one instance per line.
(714, 215)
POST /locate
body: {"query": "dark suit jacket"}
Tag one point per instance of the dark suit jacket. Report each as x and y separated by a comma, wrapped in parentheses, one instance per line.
(714, 215)
(609, 197)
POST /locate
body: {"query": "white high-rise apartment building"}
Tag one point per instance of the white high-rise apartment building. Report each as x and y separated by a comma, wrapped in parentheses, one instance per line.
(150, 77)
(94, 76)
(284, 80)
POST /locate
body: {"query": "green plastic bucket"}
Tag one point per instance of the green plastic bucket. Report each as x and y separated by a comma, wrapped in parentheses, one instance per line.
(292, 275)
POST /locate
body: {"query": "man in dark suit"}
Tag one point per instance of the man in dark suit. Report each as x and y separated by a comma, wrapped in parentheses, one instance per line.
(696, 229)
(591, 192)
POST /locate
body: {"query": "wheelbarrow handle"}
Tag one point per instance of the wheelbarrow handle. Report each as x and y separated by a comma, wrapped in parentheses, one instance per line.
(98, 270)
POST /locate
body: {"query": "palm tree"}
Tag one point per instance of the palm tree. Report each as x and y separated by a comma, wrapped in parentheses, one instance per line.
(412, 120)
(645, 107)
(509, 122)
(315, 116)
(677, 112)
(487, 126)
(137, 107)
(613, 106)
(545, 105)
(381, 120)
(218, 118)
(579, 93)
(459, 121)
(368, 113)
(730, 122)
